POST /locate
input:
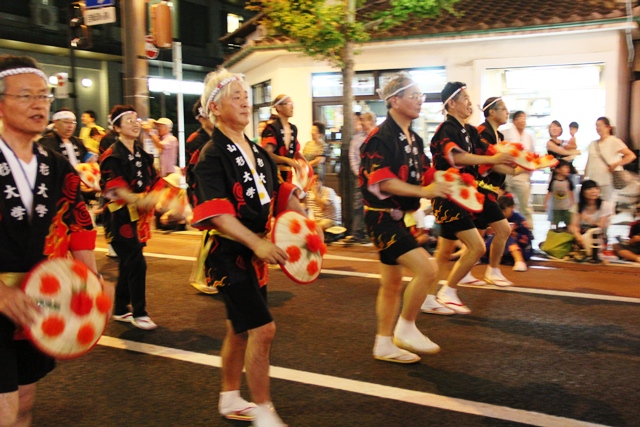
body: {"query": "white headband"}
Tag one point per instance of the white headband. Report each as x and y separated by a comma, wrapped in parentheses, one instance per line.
(444, 104)
(24, 70)
(113, 122)
(490, 104)
(218, 88)
(281, 100)
(381, 95)
(61, 115)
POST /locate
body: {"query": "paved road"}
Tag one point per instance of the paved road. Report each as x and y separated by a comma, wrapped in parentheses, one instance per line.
(560, 349)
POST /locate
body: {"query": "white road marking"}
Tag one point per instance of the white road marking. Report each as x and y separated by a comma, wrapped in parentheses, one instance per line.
(558, 293)
(349, 258)
(376, 276)
(154, 255)
(507, 289)
(361, 387)
(191, 258)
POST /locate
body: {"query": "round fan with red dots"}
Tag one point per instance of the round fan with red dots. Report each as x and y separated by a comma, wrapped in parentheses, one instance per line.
(89, 176)
(298, 237)
(74, 307)
(304, 179)
(464, 190)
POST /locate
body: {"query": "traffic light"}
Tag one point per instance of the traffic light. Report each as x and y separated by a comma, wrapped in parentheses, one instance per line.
(80, 33)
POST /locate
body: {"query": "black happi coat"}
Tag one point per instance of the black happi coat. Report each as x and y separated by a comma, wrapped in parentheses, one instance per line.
(53, 142)
(59, 222)
(223, 184)
(452, 136)
(487, 139)
(386, 154)
(273, 133)
(195, 142)
(134, 171)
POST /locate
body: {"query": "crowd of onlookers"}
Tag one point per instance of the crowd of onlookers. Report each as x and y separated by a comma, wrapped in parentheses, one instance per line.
(580, 205)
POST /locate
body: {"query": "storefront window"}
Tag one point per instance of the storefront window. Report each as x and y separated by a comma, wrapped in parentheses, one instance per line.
(330, 84)
(567, 93)
(431, 80)
(262, 93)
(261, 104)
(327, 92)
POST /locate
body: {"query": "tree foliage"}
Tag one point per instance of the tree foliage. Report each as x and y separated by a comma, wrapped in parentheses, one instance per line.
(321, 28)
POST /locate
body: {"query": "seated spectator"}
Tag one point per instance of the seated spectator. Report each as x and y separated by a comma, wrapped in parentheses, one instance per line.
(323, 203)
(630, 249)
(518, 249)
(590, 218)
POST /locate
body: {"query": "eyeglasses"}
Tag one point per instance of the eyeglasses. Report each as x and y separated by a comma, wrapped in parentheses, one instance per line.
(69, 122)
(27, 98)
(418, 96)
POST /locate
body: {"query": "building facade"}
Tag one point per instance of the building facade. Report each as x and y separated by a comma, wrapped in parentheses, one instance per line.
(40, 28)
(562, 60)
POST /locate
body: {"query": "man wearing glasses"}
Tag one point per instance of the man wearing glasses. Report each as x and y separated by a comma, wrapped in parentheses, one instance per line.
(61, 139)
(41, 189)
(392, 176)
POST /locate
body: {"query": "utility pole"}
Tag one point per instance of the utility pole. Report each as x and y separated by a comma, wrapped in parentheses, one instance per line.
(177, 71)
(347, 180)
(134, 24)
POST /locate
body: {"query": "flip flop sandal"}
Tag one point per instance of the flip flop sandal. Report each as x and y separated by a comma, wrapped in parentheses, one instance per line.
(474, 282)
(440, 310)
(399, 357)
(498, 282)
(410, 348)
(459, 308)
(245, 414)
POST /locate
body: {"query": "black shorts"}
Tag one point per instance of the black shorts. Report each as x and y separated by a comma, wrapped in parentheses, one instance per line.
(20, 362)
(491, 211)
(391, 238)
(451, 217)
(230, 267)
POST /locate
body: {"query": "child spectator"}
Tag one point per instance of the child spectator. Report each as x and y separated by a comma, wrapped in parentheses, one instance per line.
(518, 249)
(561, 188)
(630, 250)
